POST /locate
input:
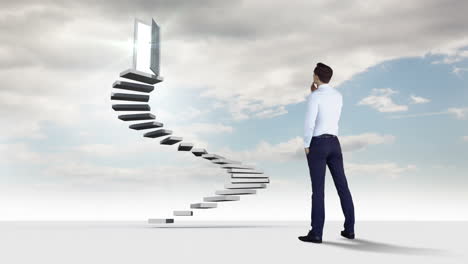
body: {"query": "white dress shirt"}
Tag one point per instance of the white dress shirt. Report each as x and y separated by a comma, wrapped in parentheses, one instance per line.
(323, 112)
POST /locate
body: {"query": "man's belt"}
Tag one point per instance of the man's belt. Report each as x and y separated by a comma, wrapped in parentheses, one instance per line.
(324, 136)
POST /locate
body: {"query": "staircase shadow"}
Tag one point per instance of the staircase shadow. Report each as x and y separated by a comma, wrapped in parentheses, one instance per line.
(385, 248)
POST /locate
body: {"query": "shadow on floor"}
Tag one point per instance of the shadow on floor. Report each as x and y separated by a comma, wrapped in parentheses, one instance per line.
(360, 244)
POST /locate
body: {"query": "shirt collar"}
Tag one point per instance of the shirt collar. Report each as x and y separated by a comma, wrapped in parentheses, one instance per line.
(324, 86)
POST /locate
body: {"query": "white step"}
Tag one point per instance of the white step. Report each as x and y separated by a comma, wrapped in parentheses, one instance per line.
(237, 166)
(137, 87)
(198, 151)
(248, 175)
(225, 161)
(171, 140)
(146, 125)
(211, 156)
(130, 97)
(242, 180)
(185, 146)
(183, 213)
(244, 185)
(221, 198)
(203, 205)
(158, 133)
(140, 76)
(244, 171)
(131, 107)
(236, 192)
(161, 220)
(136, 117)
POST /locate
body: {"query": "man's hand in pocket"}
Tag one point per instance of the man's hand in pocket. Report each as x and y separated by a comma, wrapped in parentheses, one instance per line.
(306, 151)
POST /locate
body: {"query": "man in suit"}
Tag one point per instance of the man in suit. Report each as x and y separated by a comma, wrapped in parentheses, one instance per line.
(323, 148)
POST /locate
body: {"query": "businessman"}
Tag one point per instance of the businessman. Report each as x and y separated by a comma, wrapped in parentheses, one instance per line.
(322, 149)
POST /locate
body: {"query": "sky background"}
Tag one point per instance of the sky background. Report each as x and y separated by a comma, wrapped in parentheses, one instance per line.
(236, 76)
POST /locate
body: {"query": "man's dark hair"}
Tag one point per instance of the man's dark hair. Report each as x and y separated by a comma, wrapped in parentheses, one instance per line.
(324, 72)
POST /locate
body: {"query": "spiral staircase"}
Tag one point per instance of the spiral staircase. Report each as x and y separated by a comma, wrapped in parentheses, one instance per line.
(244, 179)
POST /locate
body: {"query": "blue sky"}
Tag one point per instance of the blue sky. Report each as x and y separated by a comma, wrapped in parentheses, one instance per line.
(403, 127)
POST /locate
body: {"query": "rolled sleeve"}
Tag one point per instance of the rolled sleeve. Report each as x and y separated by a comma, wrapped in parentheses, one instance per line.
(311, 116)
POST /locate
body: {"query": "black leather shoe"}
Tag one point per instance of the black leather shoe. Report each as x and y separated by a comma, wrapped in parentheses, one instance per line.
(347, 234)
(310, 237)
(313, 239)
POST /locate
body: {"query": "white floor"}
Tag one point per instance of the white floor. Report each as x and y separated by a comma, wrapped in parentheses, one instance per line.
(229, 242)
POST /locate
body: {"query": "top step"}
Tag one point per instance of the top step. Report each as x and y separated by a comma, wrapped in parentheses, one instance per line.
(140, 76)
(138, 87)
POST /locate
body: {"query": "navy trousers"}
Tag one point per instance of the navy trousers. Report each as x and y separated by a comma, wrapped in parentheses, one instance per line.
(325, 151)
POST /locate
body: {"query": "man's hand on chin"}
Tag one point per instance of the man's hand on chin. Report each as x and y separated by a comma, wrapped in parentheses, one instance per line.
(313, 87)
(306, 151)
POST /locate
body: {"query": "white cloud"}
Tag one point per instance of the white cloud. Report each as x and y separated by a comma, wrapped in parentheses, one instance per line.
(271, 112)
(380, 99)
(137, 145)
(385, 169)
(265, 151)
(22, 114)
(419, 115)
(100, 176)
(419, 100)
(458, 70)
(177, 111)
(453, 57)
(120, 149)
(208, 128)
(361, 141)
(198, 132)
(284, 78)
(191, 113)
(459, 112)
(75, 166)
(269, 68)
(293, 149)
(19, 153)
(465, 138)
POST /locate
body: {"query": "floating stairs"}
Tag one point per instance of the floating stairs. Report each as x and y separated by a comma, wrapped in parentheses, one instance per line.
(198, 152)
(170, 140)
(136, 117)
(225, 161)
(237, 166)
(243, 180)
(146, 125)
(236, 192)
(255, 180)
(130, 97)
(131, 107)
(221, 198)
(185, 147)
(203, 205)
(158, 133)
(183, 213)
(244, 185)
